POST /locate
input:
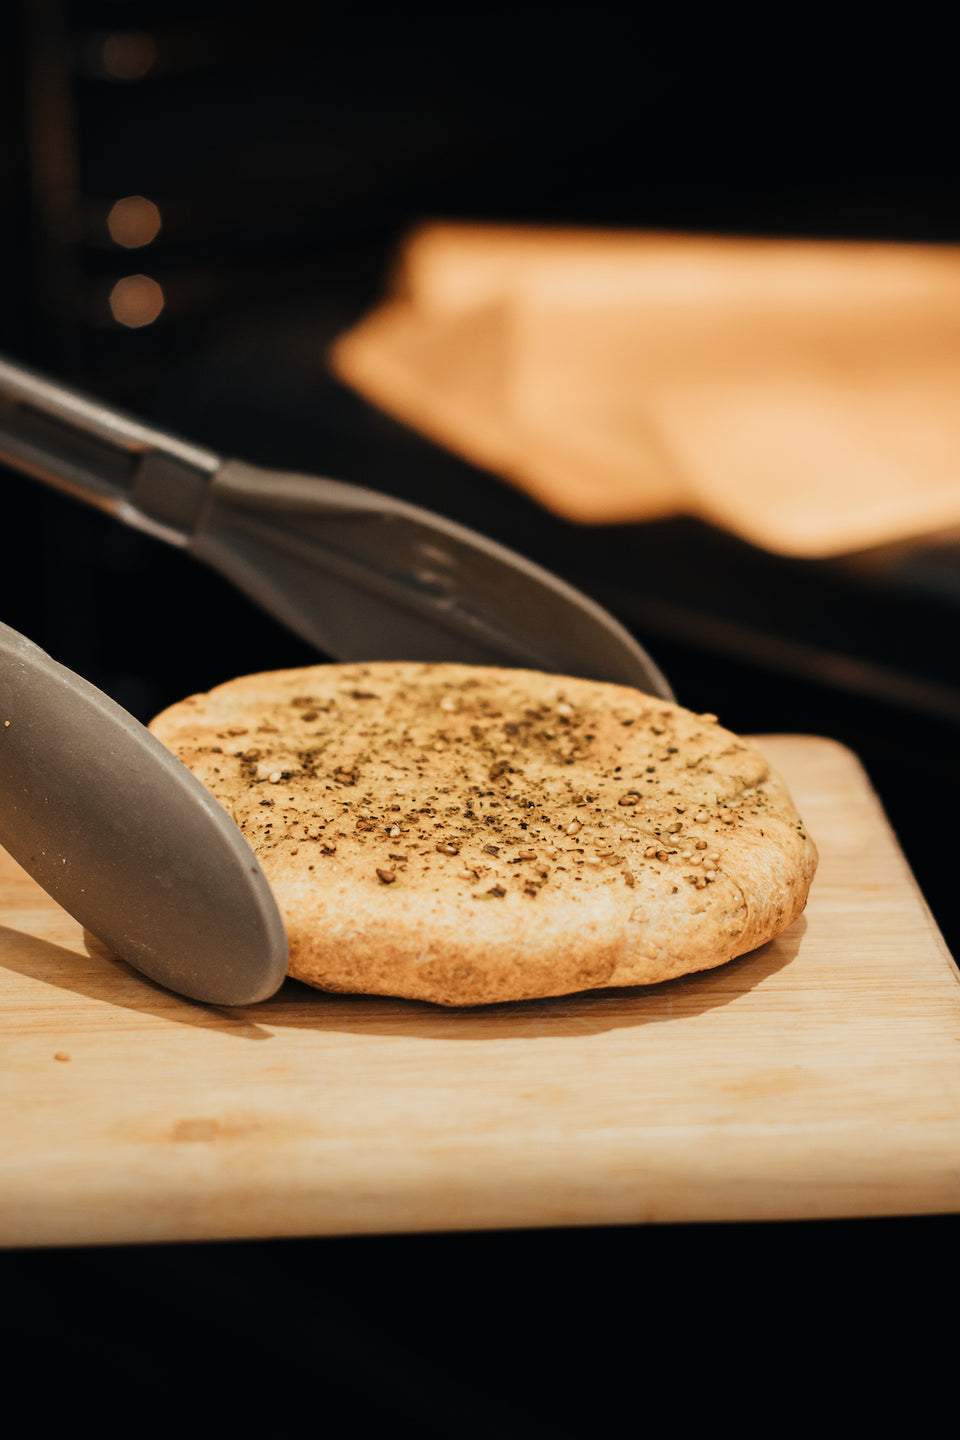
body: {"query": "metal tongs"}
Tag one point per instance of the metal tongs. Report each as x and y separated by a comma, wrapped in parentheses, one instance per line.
(98, 811)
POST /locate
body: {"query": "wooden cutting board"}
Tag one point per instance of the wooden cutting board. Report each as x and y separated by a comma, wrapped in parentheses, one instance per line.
(818, 1076)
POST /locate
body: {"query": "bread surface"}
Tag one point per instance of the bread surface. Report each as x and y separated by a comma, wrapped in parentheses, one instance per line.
(468, 835)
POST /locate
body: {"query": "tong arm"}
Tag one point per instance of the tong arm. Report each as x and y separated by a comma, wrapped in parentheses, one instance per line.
(144, 477)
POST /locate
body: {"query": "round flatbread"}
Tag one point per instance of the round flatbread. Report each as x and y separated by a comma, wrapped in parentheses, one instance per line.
(468, 835)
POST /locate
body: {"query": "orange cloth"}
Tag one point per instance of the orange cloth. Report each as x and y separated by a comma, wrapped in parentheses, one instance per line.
(805, 395)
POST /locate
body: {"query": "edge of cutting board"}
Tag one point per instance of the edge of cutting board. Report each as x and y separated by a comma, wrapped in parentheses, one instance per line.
(816, 1077)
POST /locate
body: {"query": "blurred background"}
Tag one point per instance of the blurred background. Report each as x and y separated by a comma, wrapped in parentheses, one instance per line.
(198, 198)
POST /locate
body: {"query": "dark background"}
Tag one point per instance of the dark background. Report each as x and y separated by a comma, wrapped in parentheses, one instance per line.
(289, 147)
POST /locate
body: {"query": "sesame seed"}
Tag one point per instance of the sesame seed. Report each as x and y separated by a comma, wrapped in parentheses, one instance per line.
(527, 855)
(701, 844)
(593, 860)
(574, 827)
(674, 827)
(386, 877)
(631, 798)
(394, 831)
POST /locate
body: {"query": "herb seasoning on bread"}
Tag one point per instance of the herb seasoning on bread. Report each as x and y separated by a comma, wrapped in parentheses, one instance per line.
(467, 835)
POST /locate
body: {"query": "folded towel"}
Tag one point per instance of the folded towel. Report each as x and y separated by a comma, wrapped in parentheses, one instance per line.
(801, 394)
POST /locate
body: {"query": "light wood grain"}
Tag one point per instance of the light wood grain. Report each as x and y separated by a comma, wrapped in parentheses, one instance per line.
(818, 1076)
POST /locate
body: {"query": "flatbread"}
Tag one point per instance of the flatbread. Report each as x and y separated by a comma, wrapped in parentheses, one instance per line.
(466, 835)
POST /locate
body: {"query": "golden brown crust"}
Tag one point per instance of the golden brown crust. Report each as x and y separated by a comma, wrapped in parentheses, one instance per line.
(468, 835)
